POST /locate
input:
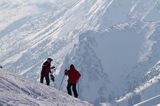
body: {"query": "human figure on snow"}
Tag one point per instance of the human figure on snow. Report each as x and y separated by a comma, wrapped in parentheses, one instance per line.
(46, 69)
(73, 77)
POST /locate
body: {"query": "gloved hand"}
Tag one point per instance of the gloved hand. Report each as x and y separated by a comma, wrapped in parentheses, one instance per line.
(65, 72)
(53, 67)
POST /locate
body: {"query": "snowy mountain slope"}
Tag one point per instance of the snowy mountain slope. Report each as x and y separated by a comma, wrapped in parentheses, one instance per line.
(17, 91)
(117, 52)
(116, 57)
(35, 37)
(148, 89)
(150, 102)
(46, 31)
(149, 86)
(92, 75)
(130, 10)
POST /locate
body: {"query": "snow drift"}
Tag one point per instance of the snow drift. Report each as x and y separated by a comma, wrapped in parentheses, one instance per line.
(17, 91)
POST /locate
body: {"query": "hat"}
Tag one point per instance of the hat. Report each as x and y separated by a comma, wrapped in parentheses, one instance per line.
(71, 66)
(50, 59)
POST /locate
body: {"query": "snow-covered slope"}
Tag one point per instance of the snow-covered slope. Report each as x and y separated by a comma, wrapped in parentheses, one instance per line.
(148, 89)
(120, 53)
(113, 43)
(150, 102)
(17, 91)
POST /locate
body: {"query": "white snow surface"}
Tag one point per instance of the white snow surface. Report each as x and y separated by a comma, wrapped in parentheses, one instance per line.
(18, 91)
(113, 43)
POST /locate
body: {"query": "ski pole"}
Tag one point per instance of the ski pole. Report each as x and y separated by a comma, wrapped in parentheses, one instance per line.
(61, 82)
(78, 89)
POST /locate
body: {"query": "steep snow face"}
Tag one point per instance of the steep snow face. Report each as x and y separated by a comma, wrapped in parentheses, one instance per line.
(94, 84)
(116, 58)
(151, 79)
(152, 65)
(17, 91)
(130, 10)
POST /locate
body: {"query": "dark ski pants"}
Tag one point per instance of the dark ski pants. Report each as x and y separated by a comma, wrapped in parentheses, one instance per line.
(73, 89)
(47, 79)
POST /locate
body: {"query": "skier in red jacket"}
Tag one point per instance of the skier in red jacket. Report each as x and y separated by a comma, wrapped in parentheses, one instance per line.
(46, 69)
(74, 76)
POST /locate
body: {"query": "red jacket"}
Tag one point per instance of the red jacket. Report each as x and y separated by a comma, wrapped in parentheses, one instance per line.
(73, 75)
(46, 68)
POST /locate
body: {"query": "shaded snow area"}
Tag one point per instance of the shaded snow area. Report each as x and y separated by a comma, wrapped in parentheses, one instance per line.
(121, 60)
(150, 102)
(17, 91)
(113, 43)
(148, 89)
